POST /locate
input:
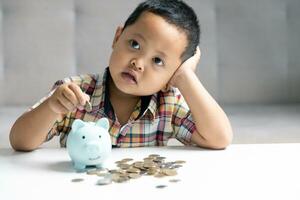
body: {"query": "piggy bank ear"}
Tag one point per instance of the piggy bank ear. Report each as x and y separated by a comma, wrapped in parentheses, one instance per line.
(78, 123)
(103, 122)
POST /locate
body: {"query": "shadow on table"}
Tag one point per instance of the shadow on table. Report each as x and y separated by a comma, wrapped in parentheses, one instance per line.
(24, 160)
(30, 161)
(9, 152)
(190, 148)
(62, 166)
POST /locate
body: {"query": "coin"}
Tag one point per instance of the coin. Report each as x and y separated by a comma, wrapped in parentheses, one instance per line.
(76, 180)
(107, 179)
(97, 171)
(139, 165)
(127, 160)
(117, 178)
(174, 180)
(123, 166)
(133, 170)
(88, 106)
(154, 155)
(159, 175)
(161, 186)
(176, 166)
(180, 162)
(154, 165)
(91, 172)
(134, 175)
(169, 172)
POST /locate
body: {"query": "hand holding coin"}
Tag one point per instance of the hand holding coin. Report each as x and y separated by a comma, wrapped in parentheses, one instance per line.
(66, 98)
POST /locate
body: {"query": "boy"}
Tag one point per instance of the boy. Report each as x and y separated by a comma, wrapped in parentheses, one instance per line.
(149, 92)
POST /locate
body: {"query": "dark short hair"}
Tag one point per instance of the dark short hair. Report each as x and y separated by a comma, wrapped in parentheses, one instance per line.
(175, 12)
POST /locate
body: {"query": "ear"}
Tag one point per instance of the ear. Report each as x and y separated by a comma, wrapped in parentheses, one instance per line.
(117, 35)
(103, 122)
(78, 123)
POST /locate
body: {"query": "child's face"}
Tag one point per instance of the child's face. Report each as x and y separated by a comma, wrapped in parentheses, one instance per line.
(149, 50)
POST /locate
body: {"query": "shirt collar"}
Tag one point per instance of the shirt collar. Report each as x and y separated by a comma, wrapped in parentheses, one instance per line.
(152, 106)
(160, 98)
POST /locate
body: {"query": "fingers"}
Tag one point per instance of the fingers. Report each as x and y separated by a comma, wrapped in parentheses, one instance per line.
(69, 95)
(66, 103)
(67, 98)
(81, 97)
(60, 108)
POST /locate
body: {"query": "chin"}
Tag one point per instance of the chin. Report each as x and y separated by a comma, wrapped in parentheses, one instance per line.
(127, 90)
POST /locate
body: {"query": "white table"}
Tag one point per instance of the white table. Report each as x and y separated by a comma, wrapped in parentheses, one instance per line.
(264, 171)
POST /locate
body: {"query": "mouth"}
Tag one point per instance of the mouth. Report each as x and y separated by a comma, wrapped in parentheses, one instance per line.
(130, 77)
(95, 158)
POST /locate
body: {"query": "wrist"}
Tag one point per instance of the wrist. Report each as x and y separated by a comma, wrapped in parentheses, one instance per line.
(49, 107)
(184, 79)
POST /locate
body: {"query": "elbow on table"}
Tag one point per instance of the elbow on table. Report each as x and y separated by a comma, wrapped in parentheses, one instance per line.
(21, 147)
(219, 142)
(18, 145)
(223, 144)
(224, 141)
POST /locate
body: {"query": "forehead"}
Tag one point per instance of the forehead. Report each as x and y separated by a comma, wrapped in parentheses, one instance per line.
(159, 34)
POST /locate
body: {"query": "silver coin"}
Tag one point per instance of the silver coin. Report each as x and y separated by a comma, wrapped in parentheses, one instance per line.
(106, 180)
(127, 160)
(76, 180)
(134, 175)
(91, 171)
(176, 166)
(180, 161)
(174, 180)
(154, 155)
(169, 172)
(88, 106)
(161, 186)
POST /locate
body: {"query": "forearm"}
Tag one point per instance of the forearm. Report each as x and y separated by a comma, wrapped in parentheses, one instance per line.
(211, 121)
(30, 130)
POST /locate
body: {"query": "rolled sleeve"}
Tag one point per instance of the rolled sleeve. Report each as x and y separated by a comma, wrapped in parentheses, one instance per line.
(182, 121)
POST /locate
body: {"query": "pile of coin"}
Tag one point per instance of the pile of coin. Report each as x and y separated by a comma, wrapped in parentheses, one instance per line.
(153, 165)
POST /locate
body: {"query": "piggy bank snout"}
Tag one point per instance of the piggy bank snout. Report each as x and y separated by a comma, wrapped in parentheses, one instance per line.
(92, 147)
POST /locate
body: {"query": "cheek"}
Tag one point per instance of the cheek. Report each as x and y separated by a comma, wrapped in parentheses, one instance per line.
(158, 80)
(118, 56)
(114, 58)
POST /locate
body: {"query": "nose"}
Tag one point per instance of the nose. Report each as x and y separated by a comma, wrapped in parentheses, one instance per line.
(137, 65)
(92, 148)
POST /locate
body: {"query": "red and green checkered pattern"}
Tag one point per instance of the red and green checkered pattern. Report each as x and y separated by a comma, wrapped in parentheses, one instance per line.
(167, 116)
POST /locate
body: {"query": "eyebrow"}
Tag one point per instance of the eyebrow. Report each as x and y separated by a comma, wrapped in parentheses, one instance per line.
(142, 37)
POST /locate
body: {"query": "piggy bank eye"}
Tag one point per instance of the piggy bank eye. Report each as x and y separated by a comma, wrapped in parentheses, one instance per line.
(83, 137)
(99, 136)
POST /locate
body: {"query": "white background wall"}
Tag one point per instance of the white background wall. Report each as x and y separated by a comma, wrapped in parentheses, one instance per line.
(250, 49)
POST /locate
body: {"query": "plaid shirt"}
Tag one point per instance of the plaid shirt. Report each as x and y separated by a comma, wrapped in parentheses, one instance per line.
(166, 115)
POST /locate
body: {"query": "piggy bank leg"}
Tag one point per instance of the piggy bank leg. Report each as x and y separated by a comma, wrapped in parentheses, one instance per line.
(79, 166)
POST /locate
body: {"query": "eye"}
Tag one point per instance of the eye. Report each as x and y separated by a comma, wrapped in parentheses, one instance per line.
(158, 61)
(99, 136)
(83, 137)
(134, 44)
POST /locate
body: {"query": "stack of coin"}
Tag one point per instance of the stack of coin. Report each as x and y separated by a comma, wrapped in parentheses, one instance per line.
(153, 165)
